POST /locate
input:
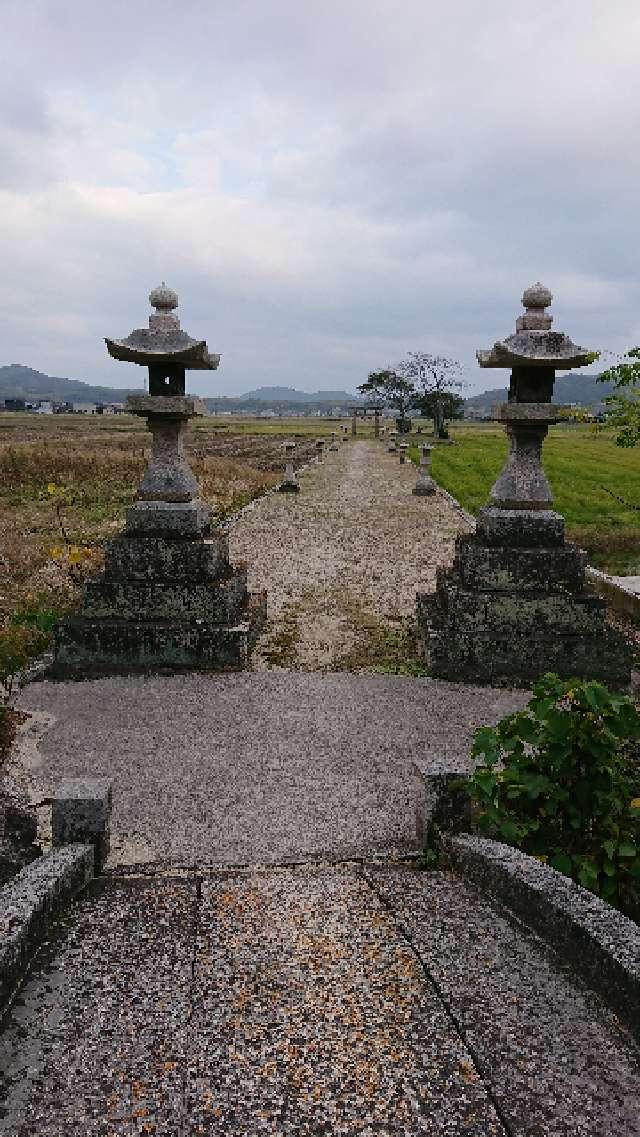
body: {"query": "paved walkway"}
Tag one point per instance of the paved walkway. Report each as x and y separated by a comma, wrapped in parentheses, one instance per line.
(244, 769)
(342, 560)
(309, 1002)
(187, 995)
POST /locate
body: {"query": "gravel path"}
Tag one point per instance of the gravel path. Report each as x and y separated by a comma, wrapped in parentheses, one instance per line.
(308, 1001)
(343, 556)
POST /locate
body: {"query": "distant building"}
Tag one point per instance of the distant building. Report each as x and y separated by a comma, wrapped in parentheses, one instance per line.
(110, 408)
(15, 405)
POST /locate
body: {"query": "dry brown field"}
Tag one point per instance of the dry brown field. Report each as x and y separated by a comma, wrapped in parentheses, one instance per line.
(66, 482)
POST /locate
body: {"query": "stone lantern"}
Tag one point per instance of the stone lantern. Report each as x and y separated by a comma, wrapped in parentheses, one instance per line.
(513, 604)
(168, 598)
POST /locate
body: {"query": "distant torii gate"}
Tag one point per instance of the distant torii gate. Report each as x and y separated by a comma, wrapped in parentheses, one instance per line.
(355, 411)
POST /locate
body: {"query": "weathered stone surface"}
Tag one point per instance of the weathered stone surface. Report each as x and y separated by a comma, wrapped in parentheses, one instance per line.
(558, 1061)
(443, 804)
(220, 601)
(163, 559)
(523, 528)
(86, 646)
(509, 613)
(601, 944)
(513, 605)
(425, 485)
(498, 569)
(168, 476)
(530, 413)
(537, 348)
(289, 484)
(171, 406)
(168, 598)
(18, 834)
(81, 813)
(511, 655)
(174, 520)
(163, 343)
(30, 903)
(522, 484)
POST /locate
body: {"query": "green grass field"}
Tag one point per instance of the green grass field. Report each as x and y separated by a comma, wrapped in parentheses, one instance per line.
(596, 484)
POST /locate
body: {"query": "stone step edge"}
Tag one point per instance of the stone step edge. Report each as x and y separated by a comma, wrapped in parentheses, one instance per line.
(621, 599)
(29, 905)
(601, 944)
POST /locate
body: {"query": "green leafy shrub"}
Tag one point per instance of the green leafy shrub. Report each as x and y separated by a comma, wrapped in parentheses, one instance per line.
(19, 644)
(37, 614)
(27, 634)
(559, 780)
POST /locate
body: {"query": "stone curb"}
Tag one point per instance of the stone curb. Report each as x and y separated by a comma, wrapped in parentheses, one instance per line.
(601, 944)
(439, 801)
(30, 903)
(469, 518)
(623, 601)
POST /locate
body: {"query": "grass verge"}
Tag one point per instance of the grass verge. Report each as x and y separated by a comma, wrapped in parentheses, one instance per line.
(596, 485)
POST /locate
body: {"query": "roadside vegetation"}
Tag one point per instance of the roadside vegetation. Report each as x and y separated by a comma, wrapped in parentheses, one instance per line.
(66, 482)
(560, 780)
(596, 484)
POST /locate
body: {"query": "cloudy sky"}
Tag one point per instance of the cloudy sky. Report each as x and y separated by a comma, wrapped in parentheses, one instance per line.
(326, 183)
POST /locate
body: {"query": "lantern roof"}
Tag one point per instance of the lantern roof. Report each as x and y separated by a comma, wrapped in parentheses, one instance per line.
(534, 344)
(163, 341)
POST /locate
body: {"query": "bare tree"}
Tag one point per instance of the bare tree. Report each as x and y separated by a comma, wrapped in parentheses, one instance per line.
(437, 380)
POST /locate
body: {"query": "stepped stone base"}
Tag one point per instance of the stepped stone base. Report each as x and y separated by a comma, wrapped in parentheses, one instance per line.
(506, 614)
(87, 648)
(165, 602)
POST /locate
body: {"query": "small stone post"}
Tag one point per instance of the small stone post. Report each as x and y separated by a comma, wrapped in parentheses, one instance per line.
(403, 452)
(290, 483)
(334, 444)
(354, 424)
(392, 447)
(80, 813)
(425, 485)
(320, 449)
(376, 423)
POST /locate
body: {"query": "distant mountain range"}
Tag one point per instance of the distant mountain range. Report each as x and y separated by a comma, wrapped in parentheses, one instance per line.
(18, 382)
(290, 395)
(584, 390)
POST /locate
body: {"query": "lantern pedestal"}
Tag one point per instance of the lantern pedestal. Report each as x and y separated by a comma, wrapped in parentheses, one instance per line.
(168, 599)
(514, 604)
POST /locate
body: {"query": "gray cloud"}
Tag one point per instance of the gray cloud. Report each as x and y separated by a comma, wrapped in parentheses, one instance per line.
(327, 186)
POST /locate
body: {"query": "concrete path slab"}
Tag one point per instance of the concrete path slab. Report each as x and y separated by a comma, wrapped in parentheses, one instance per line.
(311, 1001)
(558, 1061)
(252, 768)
